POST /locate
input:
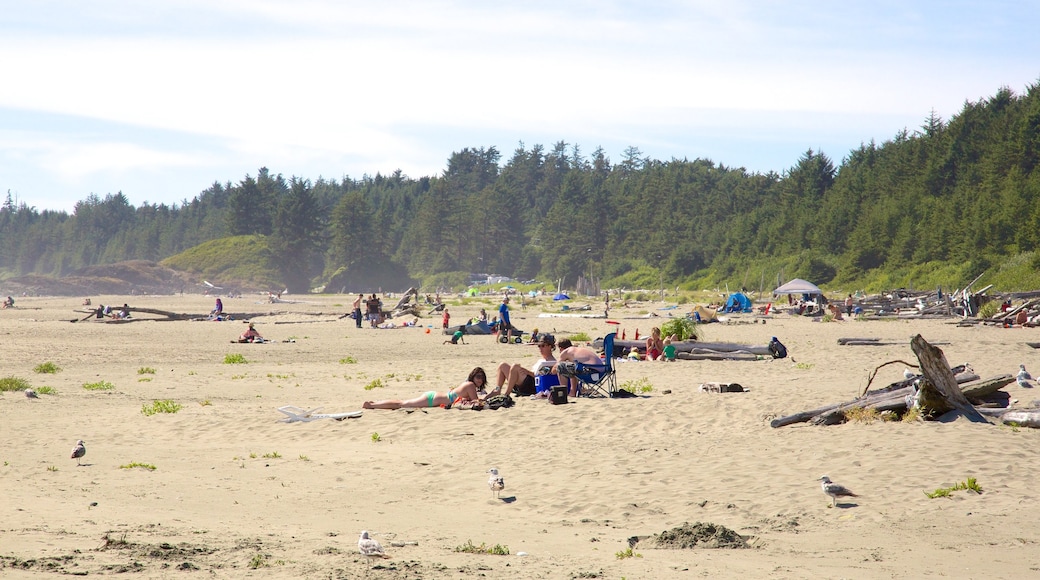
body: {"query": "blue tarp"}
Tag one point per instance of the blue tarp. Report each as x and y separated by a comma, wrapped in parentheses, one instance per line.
(561, 296)
(738, 303)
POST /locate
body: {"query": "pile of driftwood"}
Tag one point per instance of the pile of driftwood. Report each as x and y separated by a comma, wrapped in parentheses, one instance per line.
(938, 392)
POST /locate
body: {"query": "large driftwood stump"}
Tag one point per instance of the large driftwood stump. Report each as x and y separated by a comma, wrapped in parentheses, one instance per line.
(939, 391)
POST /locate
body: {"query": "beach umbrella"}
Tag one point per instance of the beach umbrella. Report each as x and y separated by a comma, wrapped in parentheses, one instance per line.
(561, 296)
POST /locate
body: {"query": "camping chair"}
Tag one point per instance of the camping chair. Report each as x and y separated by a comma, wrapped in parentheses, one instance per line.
(599, 380)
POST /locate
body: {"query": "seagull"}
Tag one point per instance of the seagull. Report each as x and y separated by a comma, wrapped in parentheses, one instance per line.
(78, 451)
(31, 394)
(496, 482)
(834, 490)
(370, 548)
(909, 374)
(1024, 377)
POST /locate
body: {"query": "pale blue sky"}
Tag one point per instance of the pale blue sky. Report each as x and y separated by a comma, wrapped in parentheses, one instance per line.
(159, 99)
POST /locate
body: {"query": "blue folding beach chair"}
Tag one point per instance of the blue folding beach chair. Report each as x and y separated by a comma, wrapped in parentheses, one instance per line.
(599, 380)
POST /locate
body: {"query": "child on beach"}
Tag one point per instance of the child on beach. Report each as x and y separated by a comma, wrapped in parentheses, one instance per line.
(669, 350)
(456, 337)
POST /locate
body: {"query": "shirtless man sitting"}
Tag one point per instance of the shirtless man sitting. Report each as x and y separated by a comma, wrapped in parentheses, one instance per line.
(569, 356)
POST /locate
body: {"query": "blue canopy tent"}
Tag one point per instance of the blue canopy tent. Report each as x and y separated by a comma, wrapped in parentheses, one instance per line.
(561, 296)
(738, 302)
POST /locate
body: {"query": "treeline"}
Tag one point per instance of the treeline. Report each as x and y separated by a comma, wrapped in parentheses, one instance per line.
(961, 192)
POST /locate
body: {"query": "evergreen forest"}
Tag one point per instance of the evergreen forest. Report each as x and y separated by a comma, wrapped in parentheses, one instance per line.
(936, 205)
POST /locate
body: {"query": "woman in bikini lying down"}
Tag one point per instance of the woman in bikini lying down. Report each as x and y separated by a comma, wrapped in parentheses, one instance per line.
(467, 391)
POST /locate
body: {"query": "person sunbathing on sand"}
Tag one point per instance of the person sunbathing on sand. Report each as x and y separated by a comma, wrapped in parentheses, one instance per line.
(467, 392)
(250, 335)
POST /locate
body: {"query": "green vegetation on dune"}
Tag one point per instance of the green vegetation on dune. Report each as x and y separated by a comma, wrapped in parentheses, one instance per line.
(246, 259)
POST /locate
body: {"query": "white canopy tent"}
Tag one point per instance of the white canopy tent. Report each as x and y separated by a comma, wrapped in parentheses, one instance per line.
(798, 286)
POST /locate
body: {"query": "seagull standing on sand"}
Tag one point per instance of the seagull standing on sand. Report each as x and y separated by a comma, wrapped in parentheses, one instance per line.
(1024, 377)
(31, 394)
(370, 548)
(78, 451)
(834, 490)
(496, 482)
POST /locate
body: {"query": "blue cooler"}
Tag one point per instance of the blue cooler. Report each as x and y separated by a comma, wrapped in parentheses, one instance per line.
(545, 383)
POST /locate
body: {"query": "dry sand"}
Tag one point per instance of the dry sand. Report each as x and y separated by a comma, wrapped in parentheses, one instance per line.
(234, 487)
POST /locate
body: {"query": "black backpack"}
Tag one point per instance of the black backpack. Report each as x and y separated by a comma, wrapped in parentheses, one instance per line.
(777, 348)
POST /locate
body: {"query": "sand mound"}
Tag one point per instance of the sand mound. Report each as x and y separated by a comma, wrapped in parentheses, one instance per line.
(698, 535)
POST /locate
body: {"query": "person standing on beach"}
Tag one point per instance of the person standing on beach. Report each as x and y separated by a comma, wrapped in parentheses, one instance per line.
(357, 309)
(445, 318)
(503, 320)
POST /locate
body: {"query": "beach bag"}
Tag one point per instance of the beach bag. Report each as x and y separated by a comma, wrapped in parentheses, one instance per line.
(558, 395)
(777, 348)
(498, 401)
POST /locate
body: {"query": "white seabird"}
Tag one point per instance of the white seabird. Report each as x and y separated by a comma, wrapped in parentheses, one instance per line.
(834, 490)
(78, 451)
(909, 374)
(495, 482)
(31, 394)
(370, 548)
(1024, 377)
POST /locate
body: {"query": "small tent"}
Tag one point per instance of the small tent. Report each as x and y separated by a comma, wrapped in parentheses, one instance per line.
(738, 302)
(799, 286)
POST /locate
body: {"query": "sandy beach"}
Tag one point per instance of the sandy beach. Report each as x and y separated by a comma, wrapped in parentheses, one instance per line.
(235, 492)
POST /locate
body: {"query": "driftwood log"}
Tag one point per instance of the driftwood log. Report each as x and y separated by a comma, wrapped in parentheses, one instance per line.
(939, 384)
(937, 391)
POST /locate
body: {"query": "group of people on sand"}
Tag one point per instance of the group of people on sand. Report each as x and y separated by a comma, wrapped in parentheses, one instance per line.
(510, 378)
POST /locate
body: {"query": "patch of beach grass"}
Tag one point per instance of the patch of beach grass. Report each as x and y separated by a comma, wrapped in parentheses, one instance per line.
(45, 390)
(968, 485)
(470, 548)
(637, 386)
(14, 384)
(134, 464)
(376, 438)
(160, 406)
(271, 455)
(862, 415)
(348, 360)
(46, 368)
(234, 358)
(99, 386)
(627, 553)
(146, 371)
(376, 384)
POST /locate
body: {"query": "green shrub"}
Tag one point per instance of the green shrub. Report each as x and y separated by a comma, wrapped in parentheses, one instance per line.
(48, 368)
(146, 371)
(376, 384)
(163, 406)
(234, 359)
(14, 384)
(99, 386)
(682, 328)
